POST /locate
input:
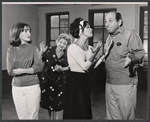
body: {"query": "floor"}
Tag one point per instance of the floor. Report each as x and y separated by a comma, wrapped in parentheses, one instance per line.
(98, 106)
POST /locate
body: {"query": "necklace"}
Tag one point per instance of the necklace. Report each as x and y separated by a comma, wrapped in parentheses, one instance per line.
(59, 53)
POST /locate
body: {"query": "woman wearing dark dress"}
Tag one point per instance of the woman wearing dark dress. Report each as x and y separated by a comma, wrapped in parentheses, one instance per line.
(53, 77)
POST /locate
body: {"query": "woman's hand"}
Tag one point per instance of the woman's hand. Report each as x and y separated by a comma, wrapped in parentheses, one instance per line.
(97, 48)
(108, 48)
(58, 68)
(18, 71)
(43, 48)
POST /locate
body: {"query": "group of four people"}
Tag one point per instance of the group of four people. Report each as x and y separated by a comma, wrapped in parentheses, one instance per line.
(64, 81)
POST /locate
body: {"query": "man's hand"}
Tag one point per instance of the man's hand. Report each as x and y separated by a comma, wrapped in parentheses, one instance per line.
(128, 60)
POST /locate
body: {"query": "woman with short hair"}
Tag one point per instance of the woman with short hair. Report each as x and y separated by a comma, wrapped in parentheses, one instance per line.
(53, 77)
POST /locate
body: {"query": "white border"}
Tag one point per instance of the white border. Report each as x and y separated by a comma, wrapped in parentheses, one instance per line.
(74, 2)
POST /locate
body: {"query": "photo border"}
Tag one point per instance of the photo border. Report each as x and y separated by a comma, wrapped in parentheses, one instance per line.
(85, 1)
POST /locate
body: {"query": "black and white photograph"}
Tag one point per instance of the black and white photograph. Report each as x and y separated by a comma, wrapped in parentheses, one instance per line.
(74, 61)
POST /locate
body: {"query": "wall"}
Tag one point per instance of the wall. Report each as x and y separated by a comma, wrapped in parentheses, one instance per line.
(10, 15)
(130, 14)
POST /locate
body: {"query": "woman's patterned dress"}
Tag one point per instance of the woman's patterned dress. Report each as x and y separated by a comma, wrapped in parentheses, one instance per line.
(53, 82)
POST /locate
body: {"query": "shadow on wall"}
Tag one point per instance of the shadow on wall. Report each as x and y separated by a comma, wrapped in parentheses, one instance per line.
(6, 82)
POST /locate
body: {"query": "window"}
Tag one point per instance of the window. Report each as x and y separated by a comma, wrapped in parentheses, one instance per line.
(97, 22)
(55, 25)
(144, 32)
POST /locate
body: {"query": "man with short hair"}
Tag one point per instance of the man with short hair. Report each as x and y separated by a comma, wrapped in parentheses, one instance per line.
(121, 64)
